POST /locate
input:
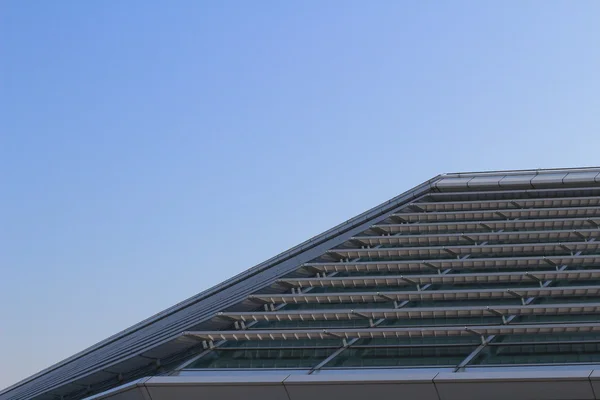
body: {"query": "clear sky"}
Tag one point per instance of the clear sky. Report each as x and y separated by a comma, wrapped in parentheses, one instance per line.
(151, 149)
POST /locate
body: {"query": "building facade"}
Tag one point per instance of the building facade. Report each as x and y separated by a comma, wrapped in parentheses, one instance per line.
(468, 286)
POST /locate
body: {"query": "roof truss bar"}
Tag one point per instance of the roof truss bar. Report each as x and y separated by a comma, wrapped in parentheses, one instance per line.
(580, 235)
(242, 326)
(486, 226)
(566, 248)
(475, 353)
(379, 230)
(592, 222)
(333, 355)
(535, 278)
(372, 324)
(496, 313)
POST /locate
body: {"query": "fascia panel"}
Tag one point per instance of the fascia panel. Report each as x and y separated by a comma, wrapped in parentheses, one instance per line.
(548, 180)
(515, 385)
(580, 178)
(517, 181)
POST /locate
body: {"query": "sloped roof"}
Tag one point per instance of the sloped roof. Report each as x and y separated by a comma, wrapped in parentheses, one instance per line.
(167, 338)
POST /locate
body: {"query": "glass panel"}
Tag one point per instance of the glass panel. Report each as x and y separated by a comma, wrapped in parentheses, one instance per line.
(284, 343)
(556, 319)
(339, 306)
(382, 288)
(420, 341)
(556, 337)
(262, 358)
(467, 302)
(399, 357)
(539, 354)
(442, 321)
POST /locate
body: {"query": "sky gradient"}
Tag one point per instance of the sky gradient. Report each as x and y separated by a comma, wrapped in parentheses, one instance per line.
(138, 138)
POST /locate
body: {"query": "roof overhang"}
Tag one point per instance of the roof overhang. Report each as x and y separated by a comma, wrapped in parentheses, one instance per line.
(126, 354)
(515, 385)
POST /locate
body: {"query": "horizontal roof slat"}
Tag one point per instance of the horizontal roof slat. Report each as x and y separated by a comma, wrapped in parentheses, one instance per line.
(431, 295)
(407, 280)
(515, 203)
(463, 237)
(389, 332)
(488, 226)
(500, 214)
(455, 263)
(414, 312)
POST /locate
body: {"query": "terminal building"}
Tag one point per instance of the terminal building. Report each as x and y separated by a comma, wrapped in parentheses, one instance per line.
(468, 286)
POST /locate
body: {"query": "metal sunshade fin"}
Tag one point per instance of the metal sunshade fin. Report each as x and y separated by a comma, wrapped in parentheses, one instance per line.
(515, 203)
(488, 226)
(414, 313)
(499, 214)
(439, 295)
(473, 250)
(478, 237)
(388, 332)
(411, 280)
(454, 263)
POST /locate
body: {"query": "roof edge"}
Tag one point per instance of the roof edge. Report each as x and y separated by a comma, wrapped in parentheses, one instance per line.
(265, 265)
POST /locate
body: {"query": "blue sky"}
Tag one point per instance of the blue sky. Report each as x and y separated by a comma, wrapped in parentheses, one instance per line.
(151, 149)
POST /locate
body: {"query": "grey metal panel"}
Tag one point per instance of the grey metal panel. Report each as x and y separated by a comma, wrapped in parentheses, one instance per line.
(485, 182)
(517, 181)
(361, 386)
(134, 390)
(580, 178)
(513, 384)
(449, 184)
(595, 381)
(548, 179)
(517, 385)
(263, 387)
(138, 393)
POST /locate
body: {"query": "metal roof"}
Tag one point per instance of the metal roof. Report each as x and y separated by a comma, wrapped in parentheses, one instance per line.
(452, 222)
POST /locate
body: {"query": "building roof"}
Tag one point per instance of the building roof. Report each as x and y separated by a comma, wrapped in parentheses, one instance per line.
(457, 265)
